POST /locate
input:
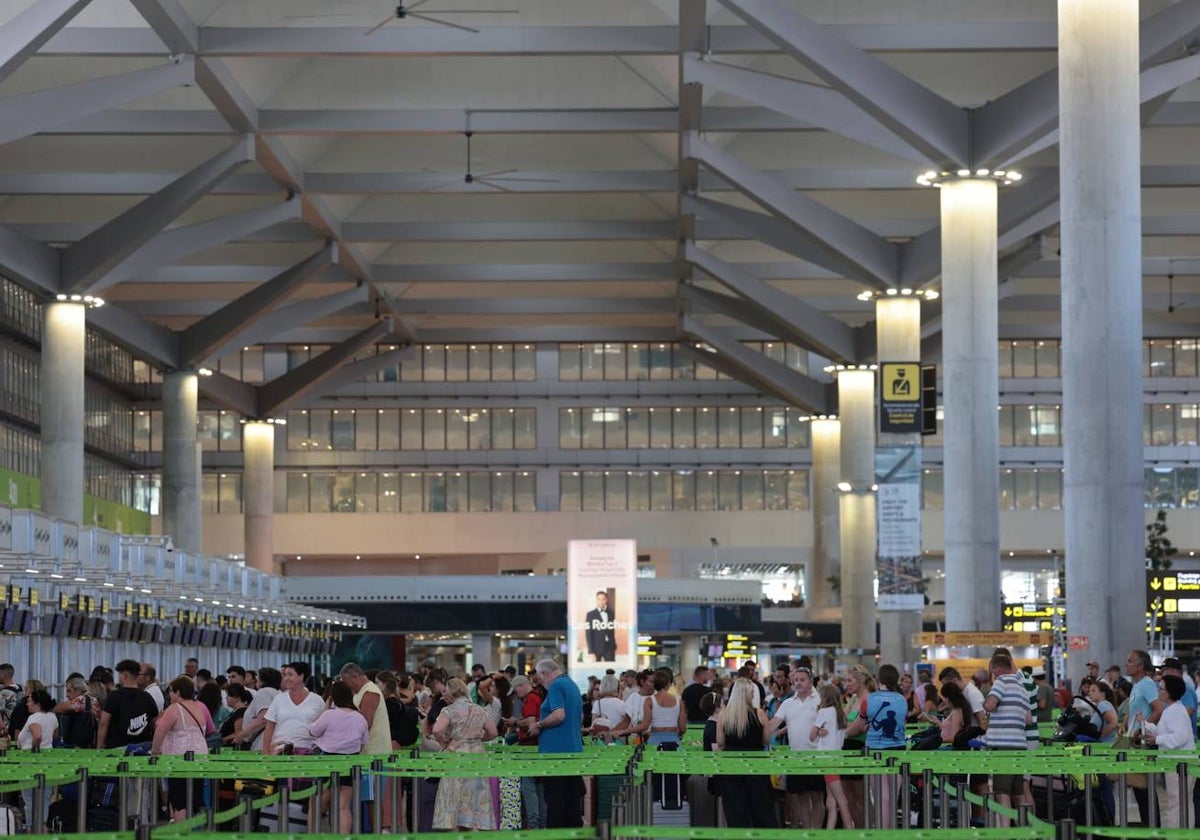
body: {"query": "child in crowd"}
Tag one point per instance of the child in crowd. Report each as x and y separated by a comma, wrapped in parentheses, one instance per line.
(829, 731)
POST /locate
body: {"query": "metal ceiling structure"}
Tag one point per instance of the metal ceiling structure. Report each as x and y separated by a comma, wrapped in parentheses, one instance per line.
(226, 172)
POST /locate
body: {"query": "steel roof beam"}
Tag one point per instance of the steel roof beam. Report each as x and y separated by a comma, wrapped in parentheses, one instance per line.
(156, 344)
(23, 35)
(33, 264)
(355, 372)
(87, 263)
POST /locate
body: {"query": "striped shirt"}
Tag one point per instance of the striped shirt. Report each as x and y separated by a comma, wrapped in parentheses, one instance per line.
(1006, 724)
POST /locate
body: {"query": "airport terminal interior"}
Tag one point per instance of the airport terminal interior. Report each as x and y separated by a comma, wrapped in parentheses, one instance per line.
(356, 336)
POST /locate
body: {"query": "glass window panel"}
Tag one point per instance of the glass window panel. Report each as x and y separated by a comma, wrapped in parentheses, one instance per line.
(365, 429)
(775, 489)
(1047, 359)
(1007, 490)
(591, 428)
(797, 428)
(1006, 425)
(297, 492)
(1162, 357)
(637, 427)
(1145, 358)
(660, 490)
(614, 361)
(775, 433)
(434, 492)
(502, 427)
(413, 487)
(401, 429)
(638, 362)
(1186, 415)
(1049, 486)
(1025, 484)
(479, 491)
(932, 497)
(389, 492)
(1006, 360)
(525, 491)
(343, 429)
(479, 362)
(593, 490)
(684, 490)
(1185, 357)
(660, 428)
(318, 430)
(297, 430)
(457, 492)
(502, 491)
(1146, 424)
(320, 492)
(1046, 423)
(456, 363)
(141, 431)
(252, 364)
(798, 498)
(1024, 359)
(706, 490)
(479, 429)
(412, 370)
(660, 361)
(683, 428)
(729, 490)
(1162, 425)
(208, 430)
(706, 428)
(296, 356)
(776, 351)
(752, 427)
(156, 432)
(729, 427)
(797, 358)
(569, 490)
(753, 489)
(366, 492)
(591, 362)
(570, 433)
(502, 363)
(231, 493)
(614, 427)
(615, 490)
(683, 367)
(210, 494)
(525, 428)
(638, 489)
(705, 373)
(434, 362)
(434, 420)
(524, 362)
(1187, 483)
(457, 420)
(568, 362)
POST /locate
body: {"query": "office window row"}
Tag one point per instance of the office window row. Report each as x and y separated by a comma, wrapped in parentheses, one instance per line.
(683, 427)
(106, 480)
(19, 377)
(457, 491)
(1170, 357)
(108, 420)
(20, 450)
(615, 361)
(1171, 424)
(20, 310)
(429, 429)
(1030, 425)
(1020, 489)
(1172, 487)
(665, 490)
(1041, 358)
(443, 362)
(105, 359)
(246, 364)
(217, 431)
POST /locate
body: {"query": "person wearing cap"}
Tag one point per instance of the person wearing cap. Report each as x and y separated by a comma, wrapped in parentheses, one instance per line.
(1045, 696)
(1093, 670)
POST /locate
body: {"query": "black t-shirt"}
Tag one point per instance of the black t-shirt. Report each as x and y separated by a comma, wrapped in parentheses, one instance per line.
(691, 702)
(230, 722)
(132, 711)
(405, 721)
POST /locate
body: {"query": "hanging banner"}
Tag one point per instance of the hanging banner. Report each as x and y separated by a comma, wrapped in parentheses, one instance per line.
(898, 525)
(601, 607)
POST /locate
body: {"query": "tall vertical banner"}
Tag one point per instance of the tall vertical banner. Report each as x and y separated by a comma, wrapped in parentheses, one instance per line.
(601, 607)
(898, 525)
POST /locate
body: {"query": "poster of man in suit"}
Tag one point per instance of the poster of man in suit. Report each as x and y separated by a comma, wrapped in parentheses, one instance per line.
(601, 606)
(600, 633)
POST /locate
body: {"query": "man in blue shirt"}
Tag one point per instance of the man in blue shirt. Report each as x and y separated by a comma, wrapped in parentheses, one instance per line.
(558, 732)
(1144, 705)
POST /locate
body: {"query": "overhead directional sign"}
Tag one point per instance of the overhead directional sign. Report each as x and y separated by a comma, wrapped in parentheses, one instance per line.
(900, 397)
(1173, 592)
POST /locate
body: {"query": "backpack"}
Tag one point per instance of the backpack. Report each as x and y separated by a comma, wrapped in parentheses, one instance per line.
(406, 726)
(10, 700)
(1073, 724)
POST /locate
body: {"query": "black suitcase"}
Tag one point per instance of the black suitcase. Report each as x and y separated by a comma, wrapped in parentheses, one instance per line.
(63, 818)
(668, 787)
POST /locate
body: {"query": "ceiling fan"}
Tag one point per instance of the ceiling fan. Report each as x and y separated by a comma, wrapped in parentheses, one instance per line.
(488, 179)
(403, 11)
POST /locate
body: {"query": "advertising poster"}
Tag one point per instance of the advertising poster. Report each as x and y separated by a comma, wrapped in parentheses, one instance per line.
(601, 607)
(898, 524)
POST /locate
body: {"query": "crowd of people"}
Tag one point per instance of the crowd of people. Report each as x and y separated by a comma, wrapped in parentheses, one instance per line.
(288, 711)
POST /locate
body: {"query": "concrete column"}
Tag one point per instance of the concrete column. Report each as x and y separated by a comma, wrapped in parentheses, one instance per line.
(898, 339)
(1102, 326)
(826, 549)
(483, 651)
(971, 386)
(258, 494)
(856, 409)
(62, 410)
(181, 472)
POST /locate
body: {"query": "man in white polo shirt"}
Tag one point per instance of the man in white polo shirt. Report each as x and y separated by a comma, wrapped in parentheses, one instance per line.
(798, 713)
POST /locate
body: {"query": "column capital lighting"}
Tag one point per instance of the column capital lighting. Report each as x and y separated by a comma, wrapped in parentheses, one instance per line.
(271, 421)
(86, 300)
(841, 368)
(936, 177)
(812, 417)
(873, 294)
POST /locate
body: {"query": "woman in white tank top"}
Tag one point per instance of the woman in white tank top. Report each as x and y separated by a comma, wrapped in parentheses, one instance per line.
(664, 717)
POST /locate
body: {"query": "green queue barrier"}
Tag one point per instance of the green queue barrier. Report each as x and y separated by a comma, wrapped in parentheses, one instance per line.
(673, 833)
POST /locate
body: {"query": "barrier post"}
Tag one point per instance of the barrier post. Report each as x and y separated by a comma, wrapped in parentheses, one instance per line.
(1185, 794)
(356, 789)
(190, 790)
(1066, 830)
(82, 802)
(396, 792)
(246, 820)
(1152, 794)
(143, 832)
(647, 792)
(1122, 795)
(377, 787)
(989, 816)
(335, 810)
(927, 799)
(1024, 812)
(1088, 794)
(122, 792)
(35, 821)
(285, 808)
(964, 812)
(905, 795)
(944, 790)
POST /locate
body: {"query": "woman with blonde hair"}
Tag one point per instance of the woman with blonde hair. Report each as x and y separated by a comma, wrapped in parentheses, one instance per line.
(463, 726)
(742, 727)
(829, 731)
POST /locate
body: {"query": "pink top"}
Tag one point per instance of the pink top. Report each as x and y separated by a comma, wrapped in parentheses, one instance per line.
(340, 731)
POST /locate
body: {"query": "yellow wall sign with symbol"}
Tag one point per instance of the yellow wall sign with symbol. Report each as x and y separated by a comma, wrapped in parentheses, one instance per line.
(1173, 592)
(900, 397)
